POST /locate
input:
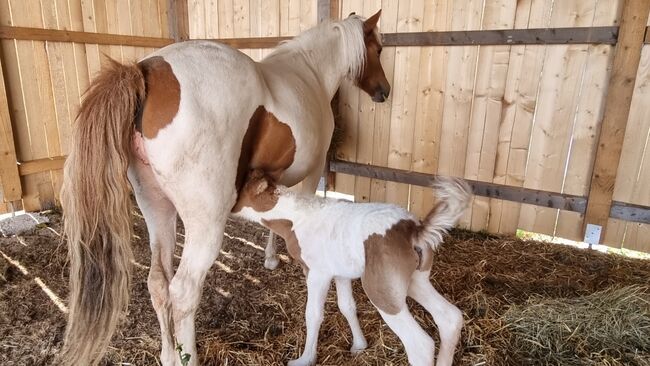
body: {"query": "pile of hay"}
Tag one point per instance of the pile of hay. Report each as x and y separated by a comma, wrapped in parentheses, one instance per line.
(607, 327)
(524, 303)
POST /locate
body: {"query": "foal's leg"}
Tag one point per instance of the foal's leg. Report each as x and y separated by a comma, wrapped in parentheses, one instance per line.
(160, 215)
(419, 346)
(447, 317)
(317, 286)
(349, 310)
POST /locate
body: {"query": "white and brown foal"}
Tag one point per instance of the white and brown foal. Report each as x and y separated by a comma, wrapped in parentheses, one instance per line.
(383, 244)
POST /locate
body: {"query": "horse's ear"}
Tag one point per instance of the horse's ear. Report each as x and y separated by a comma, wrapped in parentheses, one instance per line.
(371, 23)
(351, 14)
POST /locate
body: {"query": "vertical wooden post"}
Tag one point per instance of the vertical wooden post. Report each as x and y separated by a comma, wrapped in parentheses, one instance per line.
(617, 109)
(11, 188)
(329, 9)
(323, 10)
(179, 24)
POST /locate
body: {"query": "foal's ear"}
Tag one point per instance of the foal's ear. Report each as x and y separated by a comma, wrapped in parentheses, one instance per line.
(256, 174)
(261, 186)
(371, 23)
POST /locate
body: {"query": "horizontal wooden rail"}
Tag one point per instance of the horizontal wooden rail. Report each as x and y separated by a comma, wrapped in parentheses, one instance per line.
(41, 165)
(580, 35)
(630, 212)
(55, 35)
(251, 42)
(562, 201)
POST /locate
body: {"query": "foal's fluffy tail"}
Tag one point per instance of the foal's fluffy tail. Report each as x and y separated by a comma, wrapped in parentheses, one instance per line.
(97, 211)
(453, 198)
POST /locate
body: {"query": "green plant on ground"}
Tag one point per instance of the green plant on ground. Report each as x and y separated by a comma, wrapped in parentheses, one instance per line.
(185, 357)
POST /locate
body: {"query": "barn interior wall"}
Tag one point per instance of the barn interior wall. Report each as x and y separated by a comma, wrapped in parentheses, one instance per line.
(523, 115)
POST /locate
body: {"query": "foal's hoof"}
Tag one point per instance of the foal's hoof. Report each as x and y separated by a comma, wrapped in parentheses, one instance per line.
(271, 263)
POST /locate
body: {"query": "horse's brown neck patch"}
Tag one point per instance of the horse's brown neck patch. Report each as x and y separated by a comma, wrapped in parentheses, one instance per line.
(268, 145)
(162, 99)
(390, 262)
(284, 228)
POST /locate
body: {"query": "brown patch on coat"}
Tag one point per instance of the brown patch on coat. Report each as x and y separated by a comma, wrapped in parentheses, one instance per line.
(284, 228)
(268, 145)
(390, 262)
(163, 96)
(259, 193)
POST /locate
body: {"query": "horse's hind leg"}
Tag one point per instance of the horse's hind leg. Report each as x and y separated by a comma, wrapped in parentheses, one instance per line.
(160, 215)
(447, 317)
(204, 221)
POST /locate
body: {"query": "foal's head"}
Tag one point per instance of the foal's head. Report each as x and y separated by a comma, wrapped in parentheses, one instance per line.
(373, 80)
(259, 192)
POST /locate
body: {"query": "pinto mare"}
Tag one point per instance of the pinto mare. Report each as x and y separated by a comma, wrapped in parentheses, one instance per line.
(183, 127)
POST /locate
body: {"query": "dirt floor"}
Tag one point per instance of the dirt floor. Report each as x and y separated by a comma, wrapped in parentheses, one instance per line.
(252, 316)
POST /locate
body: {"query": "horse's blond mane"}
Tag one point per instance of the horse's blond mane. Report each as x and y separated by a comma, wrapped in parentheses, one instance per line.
(351, 30)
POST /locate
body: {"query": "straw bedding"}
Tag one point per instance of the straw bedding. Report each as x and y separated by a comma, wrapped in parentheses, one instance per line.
(525, 303)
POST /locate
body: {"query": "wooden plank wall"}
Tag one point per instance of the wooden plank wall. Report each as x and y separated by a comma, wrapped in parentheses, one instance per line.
(517, 115)
(254, 18)
(633, 177)
(45, 80)
(523, 115)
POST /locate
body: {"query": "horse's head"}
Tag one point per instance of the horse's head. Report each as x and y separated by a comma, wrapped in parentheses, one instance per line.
(373, 80)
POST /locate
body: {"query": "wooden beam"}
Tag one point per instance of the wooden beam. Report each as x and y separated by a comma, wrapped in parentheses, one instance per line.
(485, 189)
(619, 210)
(580, 35)
(334, 9)
(323, 10)
(54, 35)
(9, 177)
(178, 20)
(604, 35)
(41, 165)
(630, 212)
(617, 109)
(252, 42)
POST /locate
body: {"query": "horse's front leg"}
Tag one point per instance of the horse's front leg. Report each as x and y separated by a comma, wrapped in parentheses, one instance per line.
(307, 186)
(203, 239)
(271, 260)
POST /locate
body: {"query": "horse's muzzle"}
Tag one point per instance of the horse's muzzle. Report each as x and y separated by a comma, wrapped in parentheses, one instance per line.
(381, 94)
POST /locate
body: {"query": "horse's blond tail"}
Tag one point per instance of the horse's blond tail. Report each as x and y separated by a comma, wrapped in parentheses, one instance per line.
(453, 197)
(97, 211)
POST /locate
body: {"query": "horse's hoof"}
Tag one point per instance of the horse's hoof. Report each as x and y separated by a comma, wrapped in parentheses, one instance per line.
(358, 348)
(271, 263)
(301, 362)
